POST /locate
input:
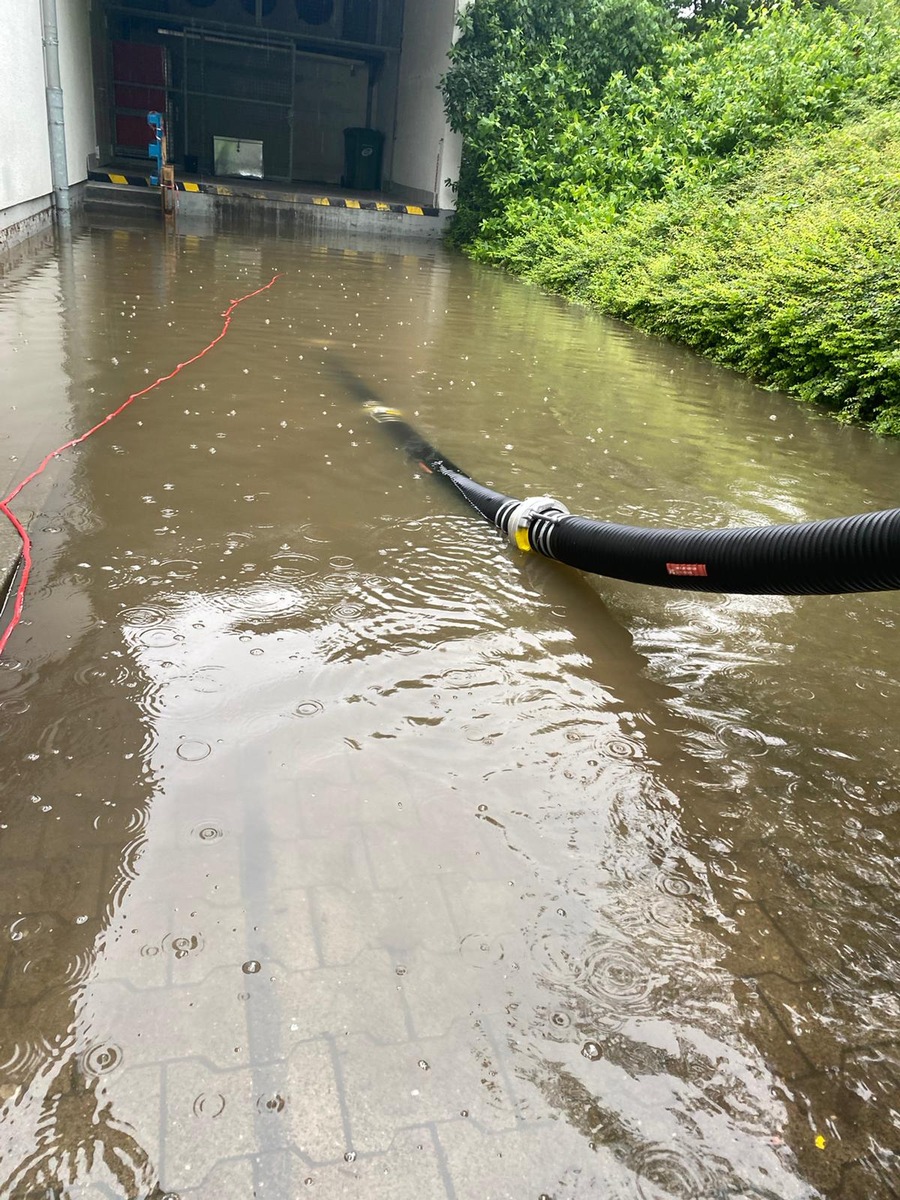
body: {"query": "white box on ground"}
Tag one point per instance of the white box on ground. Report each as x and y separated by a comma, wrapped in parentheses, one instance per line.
(237, 156)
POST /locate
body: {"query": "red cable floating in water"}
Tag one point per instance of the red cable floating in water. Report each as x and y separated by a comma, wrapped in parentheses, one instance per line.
(7, 500)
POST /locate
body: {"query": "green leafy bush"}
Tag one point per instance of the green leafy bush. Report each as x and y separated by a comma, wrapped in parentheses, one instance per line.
(703, 107)
(522, 71)
(713, 194)
(791, 275)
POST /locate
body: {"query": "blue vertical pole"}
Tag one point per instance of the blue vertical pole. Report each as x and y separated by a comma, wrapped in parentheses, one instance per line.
(155, 121)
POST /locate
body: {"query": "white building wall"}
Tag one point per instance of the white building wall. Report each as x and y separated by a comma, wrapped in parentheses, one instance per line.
(425, 149)
(25, 184)
(76, 76)
(24, 152)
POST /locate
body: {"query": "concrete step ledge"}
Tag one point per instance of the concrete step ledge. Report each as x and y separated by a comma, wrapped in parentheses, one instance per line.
(259, 192)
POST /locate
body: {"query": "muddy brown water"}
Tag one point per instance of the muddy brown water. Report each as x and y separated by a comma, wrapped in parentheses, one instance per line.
(345, 851)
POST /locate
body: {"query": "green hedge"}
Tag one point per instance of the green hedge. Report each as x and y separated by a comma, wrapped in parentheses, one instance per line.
(738, 193)
(791, 275)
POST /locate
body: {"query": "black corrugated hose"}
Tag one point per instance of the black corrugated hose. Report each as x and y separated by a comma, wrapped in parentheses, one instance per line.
(845, 554)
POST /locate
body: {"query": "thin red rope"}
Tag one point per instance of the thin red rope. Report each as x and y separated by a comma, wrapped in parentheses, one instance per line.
(7, 500)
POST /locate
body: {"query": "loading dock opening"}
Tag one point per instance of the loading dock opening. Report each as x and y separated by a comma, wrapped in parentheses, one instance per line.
(289, 75)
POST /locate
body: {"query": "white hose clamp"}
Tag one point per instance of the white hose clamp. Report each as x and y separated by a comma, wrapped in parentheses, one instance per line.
(519, 520)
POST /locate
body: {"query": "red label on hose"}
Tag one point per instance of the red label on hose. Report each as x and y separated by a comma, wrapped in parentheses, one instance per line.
(686, 568)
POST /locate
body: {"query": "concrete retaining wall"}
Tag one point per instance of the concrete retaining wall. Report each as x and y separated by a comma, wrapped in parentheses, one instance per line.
(290, 219)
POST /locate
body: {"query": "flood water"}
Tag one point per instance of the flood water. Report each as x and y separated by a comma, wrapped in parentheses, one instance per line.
(347, 852)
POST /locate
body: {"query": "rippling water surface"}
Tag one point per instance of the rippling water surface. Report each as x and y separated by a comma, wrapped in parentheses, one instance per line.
(343, 849)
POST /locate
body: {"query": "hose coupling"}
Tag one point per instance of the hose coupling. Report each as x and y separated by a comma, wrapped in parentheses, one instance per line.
(382, 413)
(519, 520)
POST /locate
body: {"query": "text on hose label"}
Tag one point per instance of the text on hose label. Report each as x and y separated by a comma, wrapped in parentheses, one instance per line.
(686, 568)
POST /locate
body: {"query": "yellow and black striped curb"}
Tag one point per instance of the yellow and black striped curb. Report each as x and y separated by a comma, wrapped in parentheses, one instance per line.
(221, 189)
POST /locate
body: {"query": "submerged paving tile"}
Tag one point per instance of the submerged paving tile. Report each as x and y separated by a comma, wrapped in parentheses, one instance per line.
(413, 1167)
(298, 861)
(293, 1105)
(439, 846)
(361, 997)
(525, 1161)
(397, 919)
(417, 1083)
(440, 989)
(208, 1019)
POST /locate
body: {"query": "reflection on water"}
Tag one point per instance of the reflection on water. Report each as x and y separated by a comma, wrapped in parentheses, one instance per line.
(342, 849)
